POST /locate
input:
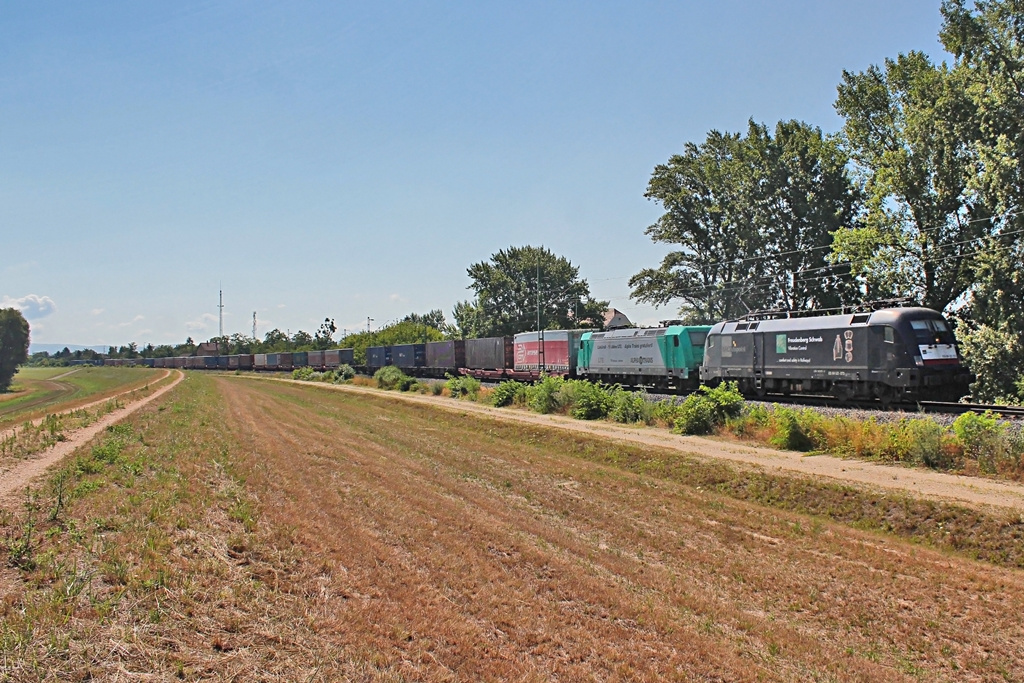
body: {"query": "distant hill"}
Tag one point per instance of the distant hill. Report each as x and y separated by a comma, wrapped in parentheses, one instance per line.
(54, 348)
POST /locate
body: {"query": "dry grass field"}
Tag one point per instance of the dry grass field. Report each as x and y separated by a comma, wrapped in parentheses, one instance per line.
(243, 530)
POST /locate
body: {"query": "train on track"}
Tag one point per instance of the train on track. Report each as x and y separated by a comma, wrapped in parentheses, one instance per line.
(891, 355)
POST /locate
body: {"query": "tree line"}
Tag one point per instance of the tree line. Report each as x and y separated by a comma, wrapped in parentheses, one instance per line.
(917, 198)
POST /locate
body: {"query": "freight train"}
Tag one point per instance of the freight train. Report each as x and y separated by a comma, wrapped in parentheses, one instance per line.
(890, 355)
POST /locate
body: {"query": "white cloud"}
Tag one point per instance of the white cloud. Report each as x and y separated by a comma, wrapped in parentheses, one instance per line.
(97, 311)
(201, 323)
(398, 297)
(131, 322)
(32, 306)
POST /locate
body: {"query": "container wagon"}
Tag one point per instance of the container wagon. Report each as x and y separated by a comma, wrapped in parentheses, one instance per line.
(551, 352)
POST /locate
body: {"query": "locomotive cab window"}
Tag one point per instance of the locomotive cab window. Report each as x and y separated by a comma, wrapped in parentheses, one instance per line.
(698, 338)
(675, 340)
(890, 335)
(932, 332)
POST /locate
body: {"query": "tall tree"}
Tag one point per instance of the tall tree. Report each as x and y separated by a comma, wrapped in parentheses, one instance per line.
(519, 283)
(987, 42)
(14, 339)
(910, 128)
(752, 218)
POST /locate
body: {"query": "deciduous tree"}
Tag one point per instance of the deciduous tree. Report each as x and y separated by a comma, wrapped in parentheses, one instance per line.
(14, 339)
(517, 282)
(910, 128)
(751, 221)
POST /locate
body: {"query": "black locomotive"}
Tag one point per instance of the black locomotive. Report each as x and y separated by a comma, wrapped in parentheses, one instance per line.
(893, 355)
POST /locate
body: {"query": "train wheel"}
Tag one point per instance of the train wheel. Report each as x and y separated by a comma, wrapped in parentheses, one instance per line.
(842, 392)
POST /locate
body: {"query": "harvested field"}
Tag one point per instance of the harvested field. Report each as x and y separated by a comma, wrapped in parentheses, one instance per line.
(259, 530)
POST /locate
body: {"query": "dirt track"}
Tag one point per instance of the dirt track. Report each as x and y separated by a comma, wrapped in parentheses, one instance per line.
(920, 482)
(13, 480)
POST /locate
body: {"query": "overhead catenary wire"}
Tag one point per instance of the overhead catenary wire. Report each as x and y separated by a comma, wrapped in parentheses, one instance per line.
(733, 286)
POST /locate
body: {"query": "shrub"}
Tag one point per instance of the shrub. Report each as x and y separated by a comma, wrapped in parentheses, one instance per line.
(543, 397)
(463, 386)
(695, 416)
(980, 436)
(790, 432)
(389, 377)
(302, 373)
(436, 388)
(629, 407)
(507, 393)
(344, 373)
(707, 409)
(407, 383)
(665, 412)
(590, 401)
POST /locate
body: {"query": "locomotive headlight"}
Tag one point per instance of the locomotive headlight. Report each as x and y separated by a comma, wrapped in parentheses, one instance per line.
(919, 361)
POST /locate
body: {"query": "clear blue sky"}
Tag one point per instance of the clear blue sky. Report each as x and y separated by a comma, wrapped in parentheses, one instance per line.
(352, 159)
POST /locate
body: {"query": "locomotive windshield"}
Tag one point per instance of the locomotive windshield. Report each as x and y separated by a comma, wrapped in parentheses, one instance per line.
(698, 338)
(932, 332)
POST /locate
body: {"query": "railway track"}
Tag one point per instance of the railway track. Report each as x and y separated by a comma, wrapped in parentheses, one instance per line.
(961, 408)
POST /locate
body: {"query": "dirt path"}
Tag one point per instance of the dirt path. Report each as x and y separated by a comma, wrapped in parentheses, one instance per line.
(18, 477)
(973, 491)
(85, 406)
(65, 374)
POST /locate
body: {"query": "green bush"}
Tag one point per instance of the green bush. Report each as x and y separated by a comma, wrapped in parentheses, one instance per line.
(507, 393)
(590, 401)
(708, 408)
(629, 407)
(981, 438)
(389, 377)
(302, 373)
(436, 388)
(344, 373)
(695, 416)
(665, 411)
(544, 396)
(791, 432)
(407, 383)
(463, 386)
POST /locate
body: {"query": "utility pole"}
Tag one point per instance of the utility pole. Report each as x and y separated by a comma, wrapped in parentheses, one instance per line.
(221, 307)
(254, 324)
(540, 330)
(368, 321)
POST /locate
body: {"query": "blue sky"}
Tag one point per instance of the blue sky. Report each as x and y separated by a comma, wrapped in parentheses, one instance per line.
(353, 159)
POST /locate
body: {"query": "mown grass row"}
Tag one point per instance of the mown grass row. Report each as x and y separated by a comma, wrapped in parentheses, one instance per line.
(974, 444)
(996, 537)
(127, 532)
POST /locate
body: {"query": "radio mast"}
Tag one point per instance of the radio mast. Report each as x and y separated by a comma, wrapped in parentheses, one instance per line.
(254, 324)
(221, 307)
